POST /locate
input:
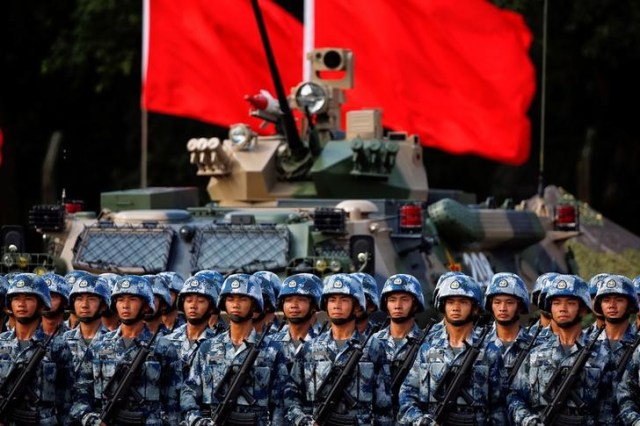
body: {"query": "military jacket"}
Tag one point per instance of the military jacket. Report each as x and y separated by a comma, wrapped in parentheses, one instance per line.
(78, 346)
(208, 381)
(419, 399)
(185, 348)
(510, 352)
(370, 388)
(48, 397)
(526, 400)
(628, 391)
(156, 384)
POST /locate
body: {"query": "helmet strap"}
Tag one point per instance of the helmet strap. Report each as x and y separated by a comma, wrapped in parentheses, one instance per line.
(29, 320)
(569, 324)
(52, 314)
(509, 322)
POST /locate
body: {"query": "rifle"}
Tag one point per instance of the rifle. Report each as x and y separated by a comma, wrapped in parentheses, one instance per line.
(403, 370)
(521, 356)
(567, 385)
(124, 385)
(455, 388)
(221, 414)
(626, 356)
(21, 375)
(338, 380)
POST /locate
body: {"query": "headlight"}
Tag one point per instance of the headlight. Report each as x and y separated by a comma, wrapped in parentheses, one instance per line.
(335, 266)
(242, 137)
(313, 97)
(321, 265)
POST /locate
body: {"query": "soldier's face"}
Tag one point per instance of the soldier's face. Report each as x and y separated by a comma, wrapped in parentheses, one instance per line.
(339, 306)
(565, 309)
(24, 305)
(504, 307)
(86, 305)
(400, 305)
(296, 306)
(614, 306)
(237, 304)
(196, 306)
(129, 306)
(56, 301)
(457, 308)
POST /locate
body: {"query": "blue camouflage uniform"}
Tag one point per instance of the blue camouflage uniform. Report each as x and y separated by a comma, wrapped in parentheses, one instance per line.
(158, 383)
(526, 401)
(371, 388)
(211, 362)
(187, 349)
(53, 381)
(78, 346)
(628, 391)
(422, 390)
(417, 393)
(511, 351)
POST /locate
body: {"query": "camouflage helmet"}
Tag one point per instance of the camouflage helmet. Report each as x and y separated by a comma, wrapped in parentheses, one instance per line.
(370, 287)
(402, 283)
(302, 285)
(616, 284)
(57, 284)
(568, 286)
(175, 280)
(636, 285)
(202, 286)
(72, 276)
(436, 290)
(510, 284)
(596, 282)
(539, 285)
(213, 276)
(160, 287)
(270, 285)
(244, 285)
(91, 284)
(27, 283)
(4, 286)
(346, 285)
(133, 285)
(110, 278)
(546, 280)
(459, 285)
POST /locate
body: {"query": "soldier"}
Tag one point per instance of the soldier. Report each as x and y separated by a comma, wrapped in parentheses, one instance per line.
(299, 300)
(537, 296)
(615, 300)
(364, 321)
(594, 284)
(636, 285)
(506, 298)
(342, 299)
(460, 300)
(550, 327)
(162, 302)
(152, 398)
(53, 319)
(90, 298)
(198, 301)
(270, 284)
(628, 391)
(173, 318)
(71, 278)
(402, 299)
(537, 380)
(4, 286)
(215, 278)
(219, 358)
(109, 317)
(45, 399)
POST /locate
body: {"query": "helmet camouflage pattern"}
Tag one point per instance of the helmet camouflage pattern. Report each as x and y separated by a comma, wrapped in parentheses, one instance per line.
(4, 286)
(543, 282)
(596, 282)
(175, 280)
(160, 287)
(510, 284)
(616, 285)
(568, 286)
(91, 284)
(443, 277)
(270, 285)
(135, 286)
(110, 278)
(370, 287)
(29, 284)
(343, 284)
(72, 276)
(201, 286)
(459, 286)
(214, 277)
(57, 284)
(636, 285)
(244, 285)
(402, 283)
(301, 285)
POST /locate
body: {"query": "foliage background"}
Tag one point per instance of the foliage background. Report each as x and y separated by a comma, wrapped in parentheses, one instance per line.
(74, 67)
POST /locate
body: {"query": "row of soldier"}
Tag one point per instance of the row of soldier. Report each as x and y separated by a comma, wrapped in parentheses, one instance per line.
(196, 368)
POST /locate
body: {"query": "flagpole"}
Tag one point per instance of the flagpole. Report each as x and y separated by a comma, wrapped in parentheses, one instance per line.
(543, 85)
(144, 115)
(308, 40)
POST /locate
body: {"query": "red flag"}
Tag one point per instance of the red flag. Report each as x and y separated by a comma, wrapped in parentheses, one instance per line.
(456, 73)
(204, 56)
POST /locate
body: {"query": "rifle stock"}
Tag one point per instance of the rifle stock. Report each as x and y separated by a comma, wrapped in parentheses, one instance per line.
(521, 356)
(626, 356)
